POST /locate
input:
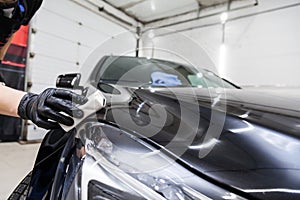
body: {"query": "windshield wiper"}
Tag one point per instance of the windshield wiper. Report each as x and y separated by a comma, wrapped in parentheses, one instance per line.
(234, 85)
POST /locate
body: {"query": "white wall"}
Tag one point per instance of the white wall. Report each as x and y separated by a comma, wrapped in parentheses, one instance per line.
(61, 44)
(65, 35)
(261, 49)
(265, 49)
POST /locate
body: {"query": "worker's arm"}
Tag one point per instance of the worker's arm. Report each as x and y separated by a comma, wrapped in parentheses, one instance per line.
(45, 109)
(10, 100)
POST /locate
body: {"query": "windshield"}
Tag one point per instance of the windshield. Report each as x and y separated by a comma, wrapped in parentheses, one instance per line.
(143, 72)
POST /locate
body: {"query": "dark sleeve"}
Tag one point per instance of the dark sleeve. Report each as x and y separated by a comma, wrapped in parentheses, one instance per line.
(30, 8)
(8, 27)
(24, 11)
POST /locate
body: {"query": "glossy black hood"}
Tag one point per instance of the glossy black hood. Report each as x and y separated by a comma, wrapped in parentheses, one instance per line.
(279, 111)
(246, 140)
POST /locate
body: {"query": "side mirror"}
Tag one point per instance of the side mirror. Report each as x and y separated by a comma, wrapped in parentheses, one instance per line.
(70, 81)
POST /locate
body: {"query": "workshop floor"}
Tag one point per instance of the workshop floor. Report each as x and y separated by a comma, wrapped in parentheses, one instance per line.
(16, 160)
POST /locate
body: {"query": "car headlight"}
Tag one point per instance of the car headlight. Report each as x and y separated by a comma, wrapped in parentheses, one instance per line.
(118, 165)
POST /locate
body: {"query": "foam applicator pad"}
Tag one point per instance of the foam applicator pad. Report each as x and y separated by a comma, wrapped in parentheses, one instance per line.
(96, 102)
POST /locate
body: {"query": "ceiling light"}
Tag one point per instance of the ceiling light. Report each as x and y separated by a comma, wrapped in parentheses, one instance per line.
(151, 35)
(224, 17)
(153, 7)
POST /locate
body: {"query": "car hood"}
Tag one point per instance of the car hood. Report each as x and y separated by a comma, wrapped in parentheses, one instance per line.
(284, 103)
(248, 140)
(269, 99)
(278, 110)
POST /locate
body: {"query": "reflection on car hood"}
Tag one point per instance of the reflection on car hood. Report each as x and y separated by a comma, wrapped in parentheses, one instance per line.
(262, 98)
(257, 150)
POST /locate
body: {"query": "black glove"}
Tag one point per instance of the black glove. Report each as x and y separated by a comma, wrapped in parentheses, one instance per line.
(44, 109)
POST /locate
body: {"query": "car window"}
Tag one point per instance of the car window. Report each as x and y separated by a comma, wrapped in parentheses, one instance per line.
(135, 71)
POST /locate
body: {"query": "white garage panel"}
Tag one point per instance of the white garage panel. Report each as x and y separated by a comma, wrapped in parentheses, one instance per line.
(208, 38)
(182, 48)
(261, 43)
(65, 35)
(264, 49)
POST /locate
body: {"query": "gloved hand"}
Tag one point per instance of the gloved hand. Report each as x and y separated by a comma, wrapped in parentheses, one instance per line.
(44, 109)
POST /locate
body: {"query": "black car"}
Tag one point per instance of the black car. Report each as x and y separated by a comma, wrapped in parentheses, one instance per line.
(170, 131)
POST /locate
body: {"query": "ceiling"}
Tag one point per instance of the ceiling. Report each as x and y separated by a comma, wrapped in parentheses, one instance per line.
(140, 15)
(147, 11)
